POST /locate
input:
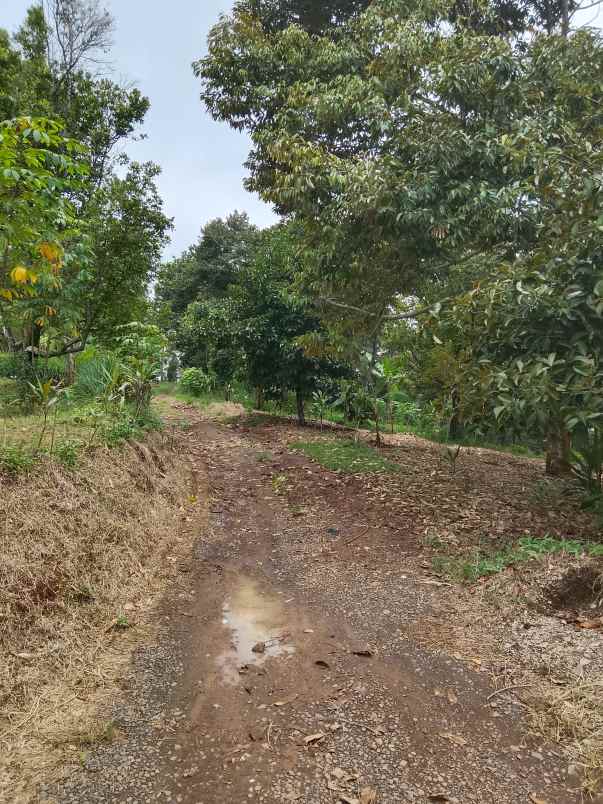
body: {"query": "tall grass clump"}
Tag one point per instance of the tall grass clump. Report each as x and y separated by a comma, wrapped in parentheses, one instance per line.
(93, 374)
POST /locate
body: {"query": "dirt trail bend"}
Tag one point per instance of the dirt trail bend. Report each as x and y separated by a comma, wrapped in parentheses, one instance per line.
(286, 671)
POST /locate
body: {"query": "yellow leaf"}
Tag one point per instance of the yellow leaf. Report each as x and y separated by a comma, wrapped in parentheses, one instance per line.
(19, 274)
(6, 294)
(50, 251)
(50, 311)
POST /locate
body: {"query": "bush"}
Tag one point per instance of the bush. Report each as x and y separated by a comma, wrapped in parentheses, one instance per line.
(67, 452)
(15, 459)
(28, 373)
(126, 424)
(7, 365)
(194, 381)
(93, 375)
(121, 429)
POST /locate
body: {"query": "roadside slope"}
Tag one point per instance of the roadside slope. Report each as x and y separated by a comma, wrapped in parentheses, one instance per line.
(86, 553)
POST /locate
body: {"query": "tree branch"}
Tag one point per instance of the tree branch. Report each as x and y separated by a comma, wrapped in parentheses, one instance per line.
(417, 311)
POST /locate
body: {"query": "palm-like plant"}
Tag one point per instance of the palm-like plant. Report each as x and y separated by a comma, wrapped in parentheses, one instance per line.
(321, 405)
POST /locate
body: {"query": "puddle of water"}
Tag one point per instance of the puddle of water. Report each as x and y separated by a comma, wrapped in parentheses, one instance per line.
(251, 618)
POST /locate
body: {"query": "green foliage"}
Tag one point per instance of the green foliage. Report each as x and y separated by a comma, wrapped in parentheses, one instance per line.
(402, 143)
(253, 332)
(354, 401)
(141, 348)
(436, 154)
(95, 370)
(320, 404)
(480, 565)
(31, 375)
(68, 277)
(350, 457)
(7, 366)
(20, 367)
(121, 429)
(194, 381)
(39, 171)
(205, 270)
(587, 459)
(67, 452)
(15, 459)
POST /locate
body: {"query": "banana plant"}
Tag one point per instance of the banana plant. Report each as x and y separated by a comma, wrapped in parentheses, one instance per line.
(321, 405)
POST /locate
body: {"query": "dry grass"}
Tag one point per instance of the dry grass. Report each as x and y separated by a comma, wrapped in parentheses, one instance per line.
(85, 556)
(26, 430)
(572, 715)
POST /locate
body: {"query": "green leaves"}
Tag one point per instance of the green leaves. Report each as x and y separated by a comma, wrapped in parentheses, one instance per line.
(36, 213)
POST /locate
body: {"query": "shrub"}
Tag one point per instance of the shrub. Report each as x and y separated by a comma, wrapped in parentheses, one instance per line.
(67, 452)
(30, 374)
(194, 381)
(7, 365)
(126, 424)
(93, 375)
(15, 459)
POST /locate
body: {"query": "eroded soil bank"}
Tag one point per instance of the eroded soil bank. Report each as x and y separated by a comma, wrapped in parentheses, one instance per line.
(309, 654)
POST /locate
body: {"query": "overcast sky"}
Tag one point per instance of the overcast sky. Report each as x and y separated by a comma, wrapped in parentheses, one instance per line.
(202, 161)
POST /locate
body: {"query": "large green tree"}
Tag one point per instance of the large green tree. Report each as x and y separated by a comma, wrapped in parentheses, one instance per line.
(208, 268)
(386, 141)
(255, 332)
(52, 69)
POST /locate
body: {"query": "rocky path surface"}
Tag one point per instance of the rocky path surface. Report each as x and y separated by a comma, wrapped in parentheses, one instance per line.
(286, 672)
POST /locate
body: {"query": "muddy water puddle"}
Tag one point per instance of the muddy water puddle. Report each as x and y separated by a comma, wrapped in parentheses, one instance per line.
(255, 621)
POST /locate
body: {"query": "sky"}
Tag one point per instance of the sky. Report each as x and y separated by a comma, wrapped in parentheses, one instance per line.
(202, 161)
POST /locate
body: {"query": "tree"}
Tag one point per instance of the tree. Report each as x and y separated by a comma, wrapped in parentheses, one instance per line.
(39, 168)
(207, 269)
(127, 231)
(385, 141)
(272, 319)
(529, 341)
(255, 332)
(79, 35)
(113, 255)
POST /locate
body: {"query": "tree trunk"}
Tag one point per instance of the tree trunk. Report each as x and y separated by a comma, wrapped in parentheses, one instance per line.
(259, 398)
(565, 18)
(454, 426)
(301, 414)
(70, 370)
(558, 446)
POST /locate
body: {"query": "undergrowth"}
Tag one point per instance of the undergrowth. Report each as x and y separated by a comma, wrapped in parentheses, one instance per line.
(470, 568)
(68, 436)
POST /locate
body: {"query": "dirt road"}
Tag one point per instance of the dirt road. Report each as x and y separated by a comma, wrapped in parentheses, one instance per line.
(288, 668)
